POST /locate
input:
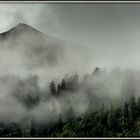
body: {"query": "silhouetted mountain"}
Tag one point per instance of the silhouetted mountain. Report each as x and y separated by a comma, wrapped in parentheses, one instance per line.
(27, 31)
(41, 45)
(18, 30)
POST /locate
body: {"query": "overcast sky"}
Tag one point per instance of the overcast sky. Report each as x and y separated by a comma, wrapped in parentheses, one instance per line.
(113, 30)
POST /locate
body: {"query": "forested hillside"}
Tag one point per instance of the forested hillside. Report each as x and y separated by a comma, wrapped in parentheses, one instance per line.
(107, 120)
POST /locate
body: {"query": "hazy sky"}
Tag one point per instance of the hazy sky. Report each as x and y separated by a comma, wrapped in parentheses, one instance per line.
(91, 22)
(112, 30)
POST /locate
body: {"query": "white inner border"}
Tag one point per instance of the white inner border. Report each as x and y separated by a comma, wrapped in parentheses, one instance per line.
(70, 2)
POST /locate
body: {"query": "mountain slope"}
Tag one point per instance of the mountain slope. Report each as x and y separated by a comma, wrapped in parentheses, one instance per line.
(35, 44)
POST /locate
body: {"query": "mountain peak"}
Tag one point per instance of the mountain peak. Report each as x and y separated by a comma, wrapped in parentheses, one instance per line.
(23, 26)
(20, 28)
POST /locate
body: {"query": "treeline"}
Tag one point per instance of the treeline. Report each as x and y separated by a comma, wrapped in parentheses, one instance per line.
(113, 122)
(123, 121)
(67, 84)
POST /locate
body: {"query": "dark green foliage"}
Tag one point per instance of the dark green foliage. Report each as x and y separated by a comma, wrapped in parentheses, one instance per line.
(61, 87)
(53, 88)
(11, 130)
(66, 85)
(113, 122)
(120, 121)
(57, 90)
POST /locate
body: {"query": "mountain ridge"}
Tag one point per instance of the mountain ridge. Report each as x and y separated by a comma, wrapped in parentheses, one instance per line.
(20, 28)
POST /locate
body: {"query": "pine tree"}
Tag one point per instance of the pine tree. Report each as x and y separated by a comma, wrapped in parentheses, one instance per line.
(63, 85)
(110, 117)
(133, 107)
(126, 114)
(138, 105)
(53, 88)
